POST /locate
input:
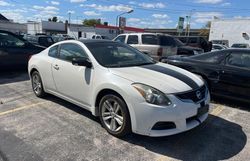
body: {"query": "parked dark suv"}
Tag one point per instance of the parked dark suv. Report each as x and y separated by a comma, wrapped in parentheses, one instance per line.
(15, 51)
(195, 41)
(42, 40)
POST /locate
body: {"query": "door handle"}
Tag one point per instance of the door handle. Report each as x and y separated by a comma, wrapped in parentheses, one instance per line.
(56, 67)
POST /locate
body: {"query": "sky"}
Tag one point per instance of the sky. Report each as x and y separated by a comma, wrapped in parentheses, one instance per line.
(147, 13)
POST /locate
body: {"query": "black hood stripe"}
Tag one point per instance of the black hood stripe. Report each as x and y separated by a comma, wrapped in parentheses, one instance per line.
(189, 81)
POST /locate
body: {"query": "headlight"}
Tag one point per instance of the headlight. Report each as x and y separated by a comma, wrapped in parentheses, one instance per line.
(152, 95)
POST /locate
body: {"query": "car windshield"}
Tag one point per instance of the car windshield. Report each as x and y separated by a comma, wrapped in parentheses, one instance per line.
(113, 54)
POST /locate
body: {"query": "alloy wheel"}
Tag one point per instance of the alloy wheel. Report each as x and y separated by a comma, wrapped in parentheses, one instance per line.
(112, 115)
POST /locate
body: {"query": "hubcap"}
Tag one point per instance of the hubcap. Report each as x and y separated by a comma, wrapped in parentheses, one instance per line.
(112, 115)
(37, 85)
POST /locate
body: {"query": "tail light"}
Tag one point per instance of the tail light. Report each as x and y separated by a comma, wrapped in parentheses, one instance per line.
(159, 52)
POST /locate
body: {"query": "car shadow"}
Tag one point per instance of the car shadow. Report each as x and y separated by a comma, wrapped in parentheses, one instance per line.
(215, 139)
(72, 107)
(13, 75)
(231, 103)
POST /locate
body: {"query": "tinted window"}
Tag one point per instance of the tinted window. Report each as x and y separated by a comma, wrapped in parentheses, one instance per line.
(70, 51)
(167, 41)
(150, 39)
(192, 40)
(214, 57)
(9, 40)
(111, 54)
(239, 60)
(217, 47)
(121, 38)
(183, 39)
(53, 51)
(132, 39)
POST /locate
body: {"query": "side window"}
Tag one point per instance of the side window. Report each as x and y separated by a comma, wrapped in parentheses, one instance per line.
(239, 60)
(150, 39)
(183, 39)
(121, 38)
(167, 41)
(9, 40)
(132, 39)
(53, 51)
(192, 40)
(70, 51)
(93, 37)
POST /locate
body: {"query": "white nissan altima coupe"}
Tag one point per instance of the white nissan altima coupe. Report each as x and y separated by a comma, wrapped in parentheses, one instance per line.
(128, 90)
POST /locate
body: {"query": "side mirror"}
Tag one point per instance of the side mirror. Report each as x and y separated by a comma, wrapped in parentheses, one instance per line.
(82, 62)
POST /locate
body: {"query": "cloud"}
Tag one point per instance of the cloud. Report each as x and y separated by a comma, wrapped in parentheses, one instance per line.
(152, 5)
(14, 14)
(160, 16)
(111, 8)
(226, 4)
(91, 13)
(3, 3)
(77, 1)
(148, 23)
(134, 20)
(55, 2)
(203, 17)
(47, 8)
(45, 11)
(71, 12)
(209, 1)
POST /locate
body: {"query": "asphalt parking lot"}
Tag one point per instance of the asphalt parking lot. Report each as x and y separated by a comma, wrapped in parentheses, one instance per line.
(53, 129)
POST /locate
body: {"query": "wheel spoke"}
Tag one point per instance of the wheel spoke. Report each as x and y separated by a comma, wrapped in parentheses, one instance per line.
(118, 121)
(113, 124)
(116, 107)
(108, 106)
(107, 118)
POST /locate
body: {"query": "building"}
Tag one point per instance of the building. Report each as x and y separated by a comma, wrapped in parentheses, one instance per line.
(77, 31)
(231, 30)
(8, 25)
(47, 27)
(173, 32)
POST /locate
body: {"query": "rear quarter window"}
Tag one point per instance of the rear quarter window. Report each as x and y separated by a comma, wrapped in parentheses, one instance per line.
(150, 39)
(53, 52)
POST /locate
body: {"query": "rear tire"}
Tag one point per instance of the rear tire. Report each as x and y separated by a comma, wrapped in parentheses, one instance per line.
(114, 115)
(37, 84)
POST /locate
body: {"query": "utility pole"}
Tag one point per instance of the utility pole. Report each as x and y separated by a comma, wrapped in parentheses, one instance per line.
(189, 21)
(69, 16)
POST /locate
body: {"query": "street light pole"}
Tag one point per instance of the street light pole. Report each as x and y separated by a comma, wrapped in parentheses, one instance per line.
(117, 17)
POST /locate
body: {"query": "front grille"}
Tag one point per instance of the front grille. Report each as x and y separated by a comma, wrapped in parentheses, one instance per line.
(195, 95)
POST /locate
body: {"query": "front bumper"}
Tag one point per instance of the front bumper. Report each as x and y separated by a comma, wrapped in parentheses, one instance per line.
(184, 115)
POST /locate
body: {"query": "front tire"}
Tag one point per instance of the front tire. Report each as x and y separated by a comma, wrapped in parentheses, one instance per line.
(114, 115)
(37, 84)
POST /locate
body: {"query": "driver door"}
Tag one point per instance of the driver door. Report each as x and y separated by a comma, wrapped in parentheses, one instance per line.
(73, 82)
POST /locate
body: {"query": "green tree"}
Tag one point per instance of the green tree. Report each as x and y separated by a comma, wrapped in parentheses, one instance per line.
(91, 22)
(54, 19)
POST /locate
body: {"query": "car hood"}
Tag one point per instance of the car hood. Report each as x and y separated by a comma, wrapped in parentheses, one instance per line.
(190, 48)
(164, 77)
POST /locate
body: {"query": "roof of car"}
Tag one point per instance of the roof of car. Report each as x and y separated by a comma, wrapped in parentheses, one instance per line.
(145, 33)
(238, 49)
(94, 40)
